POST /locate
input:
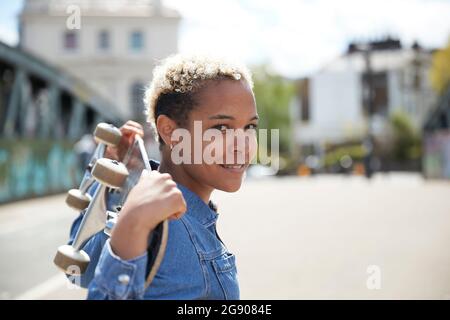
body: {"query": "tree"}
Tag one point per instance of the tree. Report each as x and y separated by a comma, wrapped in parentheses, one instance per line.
(440, 69)
(407, 142)
(273, 95)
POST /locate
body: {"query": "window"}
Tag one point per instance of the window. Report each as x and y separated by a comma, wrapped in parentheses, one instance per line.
(70, 40)
(375, 93)
(104, 40)
(137, 41)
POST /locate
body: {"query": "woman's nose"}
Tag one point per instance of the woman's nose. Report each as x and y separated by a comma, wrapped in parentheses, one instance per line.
(238, 148)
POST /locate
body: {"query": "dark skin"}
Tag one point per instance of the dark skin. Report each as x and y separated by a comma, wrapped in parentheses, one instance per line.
(225, 104)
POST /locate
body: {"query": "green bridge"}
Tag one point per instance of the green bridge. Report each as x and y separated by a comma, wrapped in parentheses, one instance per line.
(43, 113)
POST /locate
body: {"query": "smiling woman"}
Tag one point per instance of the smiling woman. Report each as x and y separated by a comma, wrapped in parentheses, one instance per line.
(215, 94)
(201, 97)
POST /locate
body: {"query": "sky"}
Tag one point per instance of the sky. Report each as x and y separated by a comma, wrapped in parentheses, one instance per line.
(294, 37)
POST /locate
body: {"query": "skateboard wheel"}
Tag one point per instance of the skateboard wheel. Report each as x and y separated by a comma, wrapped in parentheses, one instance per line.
(71, 261)
(108, 134)
(77, 200)
(110, 172)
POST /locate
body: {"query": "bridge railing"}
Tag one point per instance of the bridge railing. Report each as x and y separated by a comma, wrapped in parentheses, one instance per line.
(43, 113)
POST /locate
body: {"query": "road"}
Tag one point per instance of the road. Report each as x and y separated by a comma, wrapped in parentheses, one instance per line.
(323, 237)
(30, 232)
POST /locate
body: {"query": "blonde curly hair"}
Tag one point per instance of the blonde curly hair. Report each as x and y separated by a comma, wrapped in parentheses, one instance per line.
(179, 77)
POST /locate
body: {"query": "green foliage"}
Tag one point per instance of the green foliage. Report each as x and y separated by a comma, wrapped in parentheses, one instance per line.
(407, 142)
(440, 69)
(356, 152)
(273, 95)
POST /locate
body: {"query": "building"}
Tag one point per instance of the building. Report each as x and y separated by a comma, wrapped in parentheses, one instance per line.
(354, 95)
(114, 49)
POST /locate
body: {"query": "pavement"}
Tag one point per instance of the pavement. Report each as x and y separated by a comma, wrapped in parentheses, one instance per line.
(320, 237)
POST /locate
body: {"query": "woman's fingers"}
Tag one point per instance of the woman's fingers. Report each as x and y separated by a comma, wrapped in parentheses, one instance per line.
(128, 130)
(180, 213)
(145, 173)
(134, 124)
(173, 197)
(128, 134)
(176, 216)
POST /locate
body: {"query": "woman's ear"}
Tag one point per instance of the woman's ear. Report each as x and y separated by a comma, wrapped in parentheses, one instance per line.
(165, 127)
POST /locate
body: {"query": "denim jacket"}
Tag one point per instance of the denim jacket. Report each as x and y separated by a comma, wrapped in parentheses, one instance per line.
(196, 265)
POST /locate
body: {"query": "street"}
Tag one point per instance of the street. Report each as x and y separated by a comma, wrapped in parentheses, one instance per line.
(317, 237)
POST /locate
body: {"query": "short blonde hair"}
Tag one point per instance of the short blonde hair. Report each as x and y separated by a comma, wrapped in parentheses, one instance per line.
(179, 77)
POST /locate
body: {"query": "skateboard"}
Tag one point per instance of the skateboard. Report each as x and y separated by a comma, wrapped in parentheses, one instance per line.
(101, 210)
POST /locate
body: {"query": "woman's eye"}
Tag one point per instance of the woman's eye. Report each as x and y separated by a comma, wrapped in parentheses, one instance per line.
(252, 126)
(221, 127)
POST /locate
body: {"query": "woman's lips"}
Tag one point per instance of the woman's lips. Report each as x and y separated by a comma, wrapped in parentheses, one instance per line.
(234, 168)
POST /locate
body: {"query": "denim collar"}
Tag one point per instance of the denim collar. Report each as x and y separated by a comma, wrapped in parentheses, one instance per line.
(197, 208)
(206, 214)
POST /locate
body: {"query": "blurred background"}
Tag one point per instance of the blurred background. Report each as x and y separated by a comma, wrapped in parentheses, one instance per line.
(360, 93)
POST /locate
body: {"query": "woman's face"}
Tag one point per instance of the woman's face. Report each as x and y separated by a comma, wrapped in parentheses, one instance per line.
(222, 105)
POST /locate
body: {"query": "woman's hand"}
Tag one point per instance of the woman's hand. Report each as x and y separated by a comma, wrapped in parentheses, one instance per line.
(129, 130)
(153, 199)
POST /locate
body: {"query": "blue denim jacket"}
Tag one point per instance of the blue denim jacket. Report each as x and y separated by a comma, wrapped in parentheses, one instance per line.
(196, 265)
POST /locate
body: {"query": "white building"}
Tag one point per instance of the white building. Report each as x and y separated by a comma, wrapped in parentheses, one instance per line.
(332, 105)
(114, 50)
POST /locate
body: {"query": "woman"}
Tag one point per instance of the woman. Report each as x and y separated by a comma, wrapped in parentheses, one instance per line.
(186, 93)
